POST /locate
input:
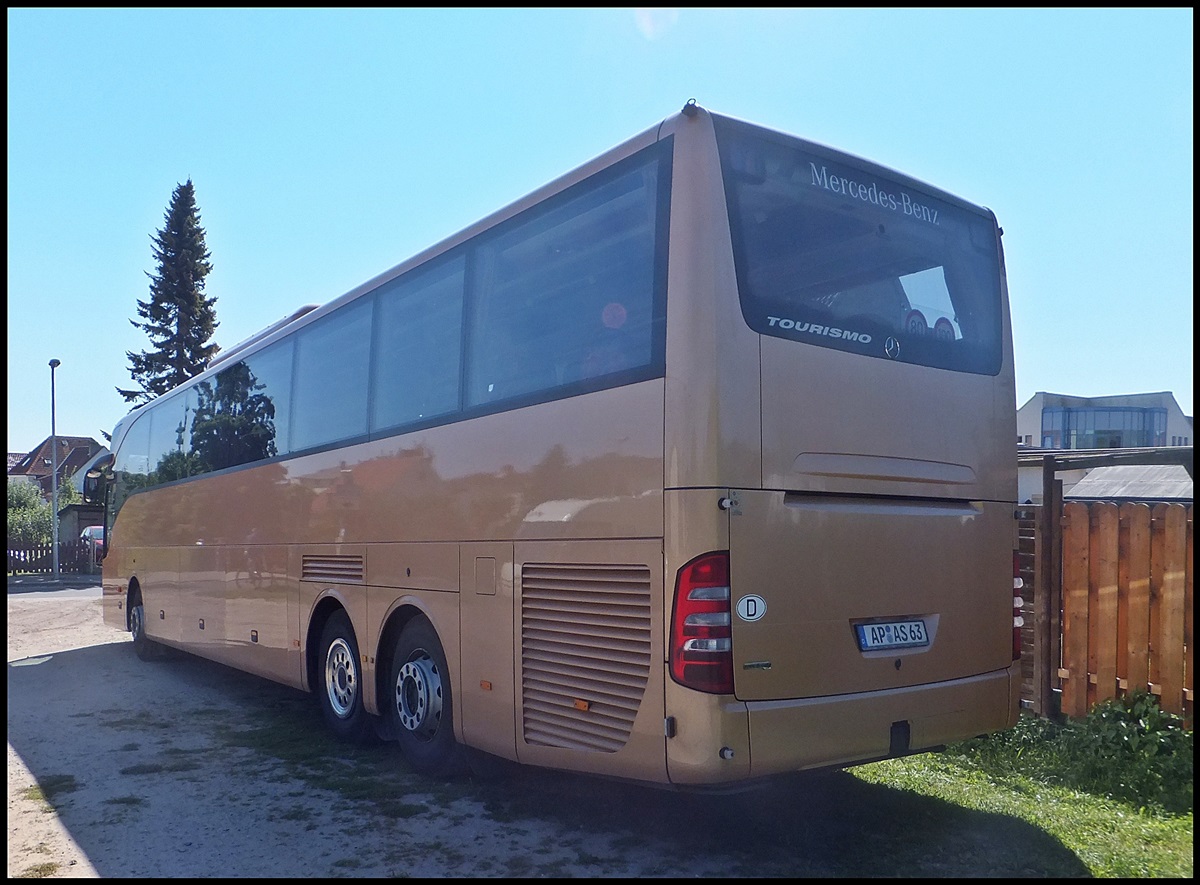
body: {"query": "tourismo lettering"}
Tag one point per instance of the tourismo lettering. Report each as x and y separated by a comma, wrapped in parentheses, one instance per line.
(871, 193)
(816, 329)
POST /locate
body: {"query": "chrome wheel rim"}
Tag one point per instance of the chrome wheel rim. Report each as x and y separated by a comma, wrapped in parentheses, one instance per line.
(341, 677)
(136, 621)
(419, 696)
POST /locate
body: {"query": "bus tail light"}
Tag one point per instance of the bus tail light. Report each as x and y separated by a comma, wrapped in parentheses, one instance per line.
(701, 636)
(1018, 602)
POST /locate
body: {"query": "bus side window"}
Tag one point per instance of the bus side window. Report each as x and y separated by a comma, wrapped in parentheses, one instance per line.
(417, 352)
(566, 294)
(612, 346)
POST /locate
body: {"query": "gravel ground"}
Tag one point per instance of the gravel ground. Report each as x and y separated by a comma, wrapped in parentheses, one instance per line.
(185, 768)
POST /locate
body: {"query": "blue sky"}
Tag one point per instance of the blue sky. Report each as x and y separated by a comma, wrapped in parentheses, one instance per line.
(327, 146)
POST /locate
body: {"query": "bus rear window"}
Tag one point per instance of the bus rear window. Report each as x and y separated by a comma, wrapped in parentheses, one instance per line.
(842, 256)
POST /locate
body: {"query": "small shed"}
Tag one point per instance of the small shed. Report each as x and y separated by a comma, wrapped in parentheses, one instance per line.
(1134, 482)
(74, 518)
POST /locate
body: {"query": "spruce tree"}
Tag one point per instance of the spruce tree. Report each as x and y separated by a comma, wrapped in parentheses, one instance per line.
(179, 319)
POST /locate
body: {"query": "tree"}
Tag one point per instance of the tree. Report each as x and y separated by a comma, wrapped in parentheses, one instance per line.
(179, 319)
(234, 422)
(30, 518)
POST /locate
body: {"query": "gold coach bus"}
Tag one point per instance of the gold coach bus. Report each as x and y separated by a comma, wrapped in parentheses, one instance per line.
(651, 474)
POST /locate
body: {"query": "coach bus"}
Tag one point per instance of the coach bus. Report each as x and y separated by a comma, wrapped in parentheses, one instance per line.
(648, 475)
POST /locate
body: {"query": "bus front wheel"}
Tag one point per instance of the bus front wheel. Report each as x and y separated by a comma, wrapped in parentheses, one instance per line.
(420, 702)
(341, 681)
(145, 648)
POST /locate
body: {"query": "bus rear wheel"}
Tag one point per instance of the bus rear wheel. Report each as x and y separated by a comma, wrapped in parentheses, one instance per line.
(420, 703)
(340, 673)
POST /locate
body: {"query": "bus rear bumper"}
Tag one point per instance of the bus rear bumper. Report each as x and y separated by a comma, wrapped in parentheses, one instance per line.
(717, 740)
(852, 729)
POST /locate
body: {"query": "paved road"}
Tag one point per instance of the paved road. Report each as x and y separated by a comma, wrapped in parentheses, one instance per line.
(65, 587)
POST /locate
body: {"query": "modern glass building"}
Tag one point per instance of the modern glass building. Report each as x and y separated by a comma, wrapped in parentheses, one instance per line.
(1059, 421)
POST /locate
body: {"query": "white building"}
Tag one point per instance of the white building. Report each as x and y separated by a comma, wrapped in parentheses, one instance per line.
(1055, 421)
(1135, 420)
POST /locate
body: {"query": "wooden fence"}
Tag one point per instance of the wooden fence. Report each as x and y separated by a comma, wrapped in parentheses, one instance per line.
(74, 557)
(1127, 604)
(1108, 604)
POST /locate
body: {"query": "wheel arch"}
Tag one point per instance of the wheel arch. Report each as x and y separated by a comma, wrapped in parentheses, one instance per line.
(325, 609)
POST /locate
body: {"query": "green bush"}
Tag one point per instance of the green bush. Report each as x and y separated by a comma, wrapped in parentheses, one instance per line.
(1127, 749)
(1131, 750)
(22, 494)
(29, 517)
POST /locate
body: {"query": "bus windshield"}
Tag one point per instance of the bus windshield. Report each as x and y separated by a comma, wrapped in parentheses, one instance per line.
(850, 258)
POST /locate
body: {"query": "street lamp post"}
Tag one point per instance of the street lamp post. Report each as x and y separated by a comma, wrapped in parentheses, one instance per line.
(54, 364)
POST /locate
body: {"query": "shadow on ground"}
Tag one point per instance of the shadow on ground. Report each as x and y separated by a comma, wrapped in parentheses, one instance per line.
(188, 768)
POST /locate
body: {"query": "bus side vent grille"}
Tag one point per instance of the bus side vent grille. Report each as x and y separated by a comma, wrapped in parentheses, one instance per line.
(585, 653)
(333, 569)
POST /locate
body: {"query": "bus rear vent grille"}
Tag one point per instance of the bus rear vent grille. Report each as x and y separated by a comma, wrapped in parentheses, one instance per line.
(585, 653)
(333, 569)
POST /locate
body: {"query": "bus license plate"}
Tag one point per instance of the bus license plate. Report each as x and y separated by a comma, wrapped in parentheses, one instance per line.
(892, 634)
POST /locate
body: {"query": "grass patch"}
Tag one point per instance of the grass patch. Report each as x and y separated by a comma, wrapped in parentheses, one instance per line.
(292, 734)
(50, 787)
(140, 723)
(125, 800)
(518, 866)
(39, 871)
(144, 768)
(1115, 789)
(1111, 839)
(1127, 750)
(176, 767)
(297, 814)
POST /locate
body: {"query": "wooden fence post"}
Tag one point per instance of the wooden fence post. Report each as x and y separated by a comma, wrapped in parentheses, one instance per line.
(1188, 687)
(1133, 627)
(1047, 592)
(1102, 602)
(1075, 524)
(1168, 544)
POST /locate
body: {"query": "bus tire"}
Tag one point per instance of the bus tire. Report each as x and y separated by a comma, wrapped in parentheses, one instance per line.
(420, 702)
(340, 673)
(145, 648)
